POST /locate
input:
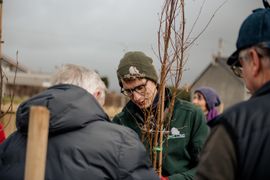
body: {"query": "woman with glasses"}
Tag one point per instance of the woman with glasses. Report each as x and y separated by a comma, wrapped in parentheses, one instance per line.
(187, 131)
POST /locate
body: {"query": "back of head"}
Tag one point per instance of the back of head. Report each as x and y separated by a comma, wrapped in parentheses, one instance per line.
(136, 65)
(82, 77)
(254, 30)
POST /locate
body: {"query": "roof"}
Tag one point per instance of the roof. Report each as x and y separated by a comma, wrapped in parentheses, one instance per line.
(18, 74)
(12, 64)
(222, 62)
(28, 79)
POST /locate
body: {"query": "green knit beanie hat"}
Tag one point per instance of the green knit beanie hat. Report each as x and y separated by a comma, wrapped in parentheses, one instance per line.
(136, 65)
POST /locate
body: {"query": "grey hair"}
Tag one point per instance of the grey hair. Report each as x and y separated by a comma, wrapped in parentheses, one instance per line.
(263, 51)
(80, 76)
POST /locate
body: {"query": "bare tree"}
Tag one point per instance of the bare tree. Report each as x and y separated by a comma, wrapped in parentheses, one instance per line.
(173, 45)
(1, 55)
(3, 77)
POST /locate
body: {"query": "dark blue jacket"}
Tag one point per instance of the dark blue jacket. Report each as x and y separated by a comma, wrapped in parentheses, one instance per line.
(248, 124)
(82, 144)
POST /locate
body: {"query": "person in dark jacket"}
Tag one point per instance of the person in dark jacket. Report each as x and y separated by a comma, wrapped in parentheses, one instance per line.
(83, 144)
(188, 130)
(239, 144)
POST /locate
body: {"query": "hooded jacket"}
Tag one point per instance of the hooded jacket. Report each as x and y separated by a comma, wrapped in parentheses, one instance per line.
(188, 131)
(82, 143)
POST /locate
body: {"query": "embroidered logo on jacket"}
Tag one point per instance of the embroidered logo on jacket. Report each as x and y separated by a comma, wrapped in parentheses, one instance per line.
(175, 133)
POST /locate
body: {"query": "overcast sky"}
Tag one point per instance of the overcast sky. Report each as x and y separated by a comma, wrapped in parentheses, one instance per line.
(97, 33)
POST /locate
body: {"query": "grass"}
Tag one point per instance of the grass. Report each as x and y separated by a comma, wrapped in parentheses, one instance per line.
(112, 111)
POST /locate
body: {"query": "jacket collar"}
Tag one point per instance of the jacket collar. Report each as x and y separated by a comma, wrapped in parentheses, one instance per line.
(265, 89)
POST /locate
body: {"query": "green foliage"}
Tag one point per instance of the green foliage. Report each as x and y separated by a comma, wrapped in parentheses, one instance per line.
(182, 93)
(106, 81)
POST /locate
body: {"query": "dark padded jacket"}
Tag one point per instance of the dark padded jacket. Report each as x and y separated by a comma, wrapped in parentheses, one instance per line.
(82, 144)
(248, 124)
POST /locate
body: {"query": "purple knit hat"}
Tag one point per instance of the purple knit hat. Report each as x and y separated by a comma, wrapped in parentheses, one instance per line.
(211, 97)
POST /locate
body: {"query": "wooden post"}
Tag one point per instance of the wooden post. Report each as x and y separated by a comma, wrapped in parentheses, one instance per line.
(37, 143)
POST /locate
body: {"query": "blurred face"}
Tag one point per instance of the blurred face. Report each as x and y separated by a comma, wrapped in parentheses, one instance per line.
(247, 70)
(198, 100)
(141, 92)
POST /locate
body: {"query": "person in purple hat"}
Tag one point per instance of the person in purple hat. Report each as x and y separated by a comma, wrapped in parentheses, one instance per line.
(207, 99)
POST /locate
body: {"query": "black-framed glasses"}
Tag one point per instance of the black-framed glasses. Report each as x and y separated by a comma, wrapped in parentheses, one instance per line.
(237, 69)
(138, 89)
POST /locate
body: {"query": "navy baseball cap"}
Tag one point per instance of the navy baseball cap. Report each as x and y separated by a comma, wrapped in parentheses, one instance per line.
(254, 30)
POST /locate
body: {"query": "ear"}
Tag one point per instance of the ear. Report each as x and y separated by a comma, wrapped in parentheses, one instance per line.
(97, 94)
(255, 62)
